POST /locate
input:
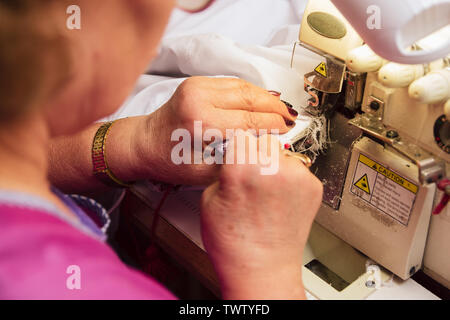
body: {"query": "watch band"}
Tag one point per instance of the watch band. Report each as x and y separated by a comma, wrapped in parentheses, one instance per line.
(100, 165)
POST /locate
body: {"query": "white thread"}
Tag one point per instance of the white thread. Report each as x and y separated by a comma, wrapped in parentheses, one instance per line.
(316, 138)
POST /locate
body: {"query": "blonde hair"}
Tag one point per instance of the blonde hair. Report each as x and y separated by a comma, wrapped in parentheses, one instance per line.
(34, 54)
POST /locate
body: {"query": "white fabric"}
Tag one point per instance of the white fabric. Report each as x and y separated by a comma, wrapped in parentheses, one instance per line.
(249, 39)
(245, 21)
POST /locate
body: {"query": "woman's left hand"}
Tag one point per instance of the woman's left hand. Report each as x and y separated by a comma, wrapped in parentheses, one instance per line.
(219, 103)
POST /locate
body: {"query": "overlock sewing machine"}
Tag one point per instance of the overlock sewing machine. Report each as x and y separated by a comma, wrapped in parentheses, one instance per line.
(387, 166)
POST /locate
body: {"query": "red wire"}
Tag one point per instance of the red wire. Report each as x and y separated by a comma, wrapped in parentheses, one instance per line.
(156, 217)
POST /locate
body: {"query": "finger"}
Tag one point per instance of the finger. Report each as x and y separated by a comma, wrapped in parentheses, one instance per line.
(274, 93)
(270, 143)
(245, 120)
(241, 95)
(209, 193)
(293, 163)
(269, 150)
(304, 159)
(256, 156)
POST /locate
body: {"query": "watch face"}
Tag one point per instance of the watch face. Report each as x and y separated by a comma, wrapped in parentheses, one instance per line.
(442, 133)
(193, 5)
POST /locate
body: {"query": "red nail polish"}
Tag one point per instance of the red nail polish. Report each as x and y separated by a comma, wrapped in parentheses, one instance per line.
(293, 112)
(287, 104)
(274, 93)
(289, 123)
(290, 108)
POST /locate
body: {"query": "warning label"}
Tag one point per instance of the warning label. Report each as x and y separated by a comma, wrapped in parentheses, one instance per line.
(322, 69)
(384, 189)
(363, 184)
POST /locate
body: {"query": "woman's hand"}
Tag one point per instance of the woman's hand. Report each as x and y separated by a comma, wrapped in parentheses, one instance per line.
(255, 227)
(219, 103)
(140, 148)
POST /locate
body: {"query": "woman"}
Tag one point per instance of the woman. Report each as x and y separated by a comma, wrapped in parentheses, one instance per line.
(55, 83)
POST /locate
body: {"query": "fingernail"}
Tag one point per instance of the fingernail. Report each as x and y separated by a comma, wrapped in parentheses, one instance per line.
(293, 112)
(274, 93)
(287, 104)
(290, 108)
(289, 123)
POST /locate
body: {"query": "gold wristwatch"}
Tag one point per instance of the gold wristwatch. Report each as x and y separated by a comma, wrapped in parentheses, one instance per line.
(100, 165)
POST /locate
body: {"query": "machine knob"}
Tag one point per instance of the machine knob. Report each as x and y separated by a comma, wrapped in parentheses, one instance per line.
(363, 59)
(394, 75)
(432, 88)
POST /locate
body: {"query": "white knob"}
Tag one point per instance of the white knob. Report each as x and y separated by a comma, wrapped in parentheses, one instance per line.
(432, 88)
(447, 110)
(363, 59)
(437, 65)
(394, 75)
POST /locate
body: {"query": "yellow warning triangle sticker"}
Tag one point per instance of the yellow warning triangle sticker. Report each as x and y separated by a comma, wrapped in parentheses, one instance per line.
(322, 69)
(363, 184)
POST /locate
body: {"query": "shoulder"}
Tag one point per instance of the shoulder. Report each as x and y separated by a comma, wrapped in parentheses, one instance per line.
(41, 255)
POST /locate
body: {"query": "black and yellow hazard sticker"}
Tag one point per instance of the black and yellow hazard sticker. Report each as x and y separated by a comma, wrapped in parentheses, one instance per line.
(389, 174)
(322, 69)
(363, 184)
(389, 192)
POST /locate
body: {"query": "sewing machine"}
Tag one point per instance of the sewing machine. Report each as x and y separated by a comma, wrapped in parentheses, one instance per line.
(384, 172)
(387, 167)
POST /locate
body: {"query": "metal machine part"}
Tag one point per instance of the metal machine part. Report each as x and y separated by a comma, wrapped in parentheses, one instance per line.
(327, 77)
(354, 90)
(331, 167)
(375, 107)
(430, 168)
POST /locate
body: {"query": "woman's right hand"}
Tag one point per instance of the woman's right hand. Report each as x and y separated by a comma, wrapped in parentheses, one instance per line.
(255, 226)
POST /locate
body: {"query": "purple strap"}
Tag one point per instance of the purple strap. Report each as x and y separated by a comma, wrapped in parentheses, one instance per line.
(81, 214)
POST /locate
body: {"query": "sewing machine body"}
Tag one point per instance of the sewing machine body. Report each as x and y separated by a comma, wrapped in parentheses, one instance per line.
(380, 173)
